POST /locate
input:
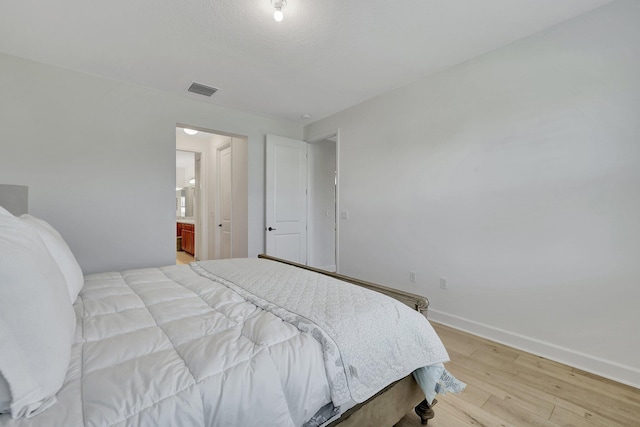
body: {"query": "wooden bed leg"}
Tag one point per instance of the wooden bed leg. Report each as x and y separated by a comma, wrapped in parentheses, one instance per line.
(425, 411)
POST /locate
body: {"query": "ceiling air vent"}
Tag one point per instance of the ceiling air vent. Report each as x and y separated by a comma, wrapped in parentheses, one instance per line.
(201, 89)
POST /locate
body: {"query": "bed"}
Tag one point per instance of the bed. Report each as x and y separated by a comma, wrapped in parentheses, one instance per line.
(237, 342)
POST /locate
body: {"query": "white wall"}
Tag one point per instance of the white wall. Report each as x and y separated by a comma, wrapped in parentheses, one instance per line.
(515, 176)
(99, 159)
(321, 233)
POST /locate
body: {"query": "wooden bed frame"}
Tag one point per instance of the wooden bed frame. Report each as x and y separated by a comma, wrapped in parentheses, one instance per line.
(393, 402)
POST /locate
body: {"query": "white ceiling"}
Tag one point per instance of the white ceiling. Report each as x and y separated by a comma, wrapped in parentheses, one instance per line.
(325, 56)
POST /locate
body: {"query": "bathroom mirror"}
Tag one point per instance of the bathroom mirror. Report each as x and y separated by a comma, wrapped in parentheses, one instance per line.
(185, 184)
(184, 202)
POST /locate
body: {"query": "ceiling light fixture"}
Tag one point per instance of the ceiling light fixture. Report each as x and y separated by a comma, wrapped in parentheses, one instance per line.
(190, 131)
(279, 5)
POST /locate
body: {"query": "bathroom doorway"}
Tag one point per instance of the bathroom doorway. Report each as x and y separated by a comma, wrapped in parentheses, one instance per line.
(187, 203)
(218, 199)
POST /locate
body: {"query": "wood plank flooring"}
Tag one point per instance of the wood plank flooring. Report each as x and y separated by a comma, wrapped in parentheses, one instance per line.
(508, 387)
(183, 258)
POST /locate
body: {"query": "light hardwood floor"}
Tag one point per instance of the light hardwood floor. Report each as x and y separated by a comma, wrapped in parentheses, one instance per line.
(508, 387)
(183, 258)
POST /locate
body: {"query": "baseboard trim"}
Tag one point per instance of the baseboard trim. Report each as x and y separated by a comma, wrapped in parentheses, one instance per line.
(605, 368)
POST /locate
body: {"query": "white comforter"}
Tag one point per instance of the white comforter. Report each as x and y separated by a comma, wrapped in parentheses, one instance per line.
(167, 347)
(171, 347)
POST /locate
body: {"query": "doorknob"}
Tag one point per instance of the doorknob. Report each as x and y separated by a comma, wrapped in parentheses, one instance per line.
(271, 229)
(219, 225)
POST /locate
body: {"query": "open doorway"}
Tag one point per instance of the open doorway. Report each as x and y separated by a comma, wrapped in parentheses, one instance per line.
(187, 202)
(322, 202)
(217, 224)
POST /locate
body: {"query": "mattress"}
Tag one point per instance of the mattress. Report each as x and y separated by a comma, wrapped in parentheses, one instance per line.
(216, 344)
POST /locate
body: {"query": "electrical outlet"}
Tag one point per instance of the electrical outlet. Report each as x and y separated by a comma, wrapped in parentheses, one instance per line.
(443, 283)
(413, 277)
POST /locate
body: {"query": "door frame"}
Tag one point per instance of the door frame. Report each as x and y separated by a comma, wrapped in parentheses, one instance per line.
(327, 135)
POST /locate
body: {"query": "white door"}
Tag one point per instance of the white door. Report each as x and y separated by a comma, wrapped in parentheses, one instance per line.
(224, 202)
(286, 199)
(199, 244)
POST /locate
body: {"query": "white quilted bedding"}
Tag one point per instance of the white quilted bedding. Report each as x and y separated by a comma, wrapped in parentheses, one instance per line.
(171, 347)
(369, 339)
(168, 347)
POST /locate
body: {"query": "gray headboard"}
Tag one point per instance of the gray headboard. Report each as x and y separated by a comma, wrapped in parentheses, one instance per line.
(14, 198)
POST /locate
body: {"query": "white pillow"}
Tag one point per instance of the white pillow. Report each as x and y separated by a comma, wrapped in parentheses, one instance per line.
(60, 252)
(37, 321)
